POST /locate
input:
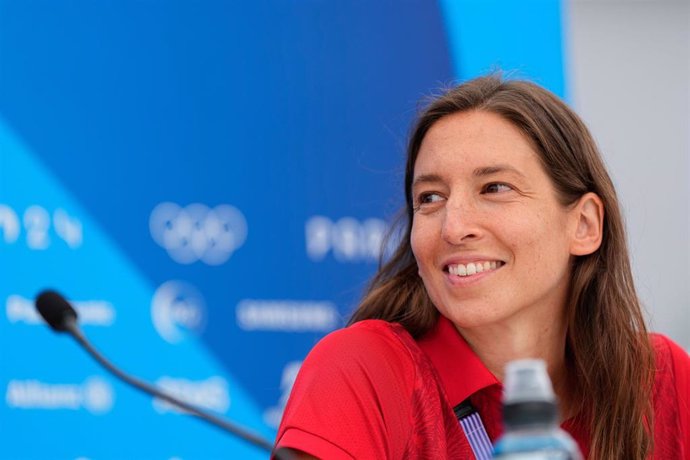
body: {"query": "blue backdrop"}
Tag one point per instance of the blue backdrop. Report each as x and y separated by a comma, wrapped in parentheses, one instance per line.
(210, 183)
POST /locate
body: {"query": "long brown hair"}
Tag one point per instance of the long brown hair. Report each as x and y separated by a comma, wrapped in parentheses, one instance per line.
(607, 342)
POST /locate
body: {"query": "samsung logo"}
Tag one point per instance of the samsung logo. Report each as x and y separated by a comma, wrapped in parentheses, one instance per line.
(287, 315)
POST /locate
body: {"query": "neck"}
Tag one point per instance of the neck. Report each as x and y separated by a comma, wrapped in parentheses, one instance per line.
(496, 345)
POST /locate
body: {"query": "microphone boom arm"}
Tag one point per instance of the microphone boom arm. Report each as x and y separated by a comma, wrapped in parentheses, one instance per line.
(72, 328)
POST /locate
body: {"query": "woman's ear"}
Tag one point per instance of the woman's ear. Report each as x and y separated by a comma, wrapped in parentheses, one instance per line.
(588, 215)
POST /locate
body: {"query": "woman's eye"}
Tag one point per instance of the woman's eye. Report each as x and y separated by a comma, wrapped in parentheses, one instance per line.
(429, 198)
(496, 187)
(426, 201)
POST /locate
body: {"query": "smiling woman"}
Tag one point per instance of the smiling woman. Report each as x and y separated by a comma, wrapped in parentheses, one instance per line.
(493, 203)
(514, 248)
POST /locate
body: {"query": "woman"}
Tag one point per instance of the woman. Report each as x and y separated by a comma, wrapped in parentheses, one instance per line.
(514, 247)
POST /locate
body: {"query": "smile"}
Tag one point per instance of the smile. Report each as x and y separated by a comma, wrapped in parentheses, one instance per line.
(474, 267)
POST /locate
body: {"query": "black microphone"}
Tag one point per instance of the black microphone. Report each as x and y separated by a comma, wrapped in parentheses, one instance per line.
(57, 312)
(61, 317)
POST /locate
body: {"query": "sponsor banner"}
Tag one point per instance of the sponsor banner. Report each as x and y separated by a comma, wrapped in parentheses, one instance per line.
(346, 239)
(177, 308)
(213, 201)
(287, 315)
(211, 394)
(91, 312)
(197, 232)
(40, 227)
(94, 395)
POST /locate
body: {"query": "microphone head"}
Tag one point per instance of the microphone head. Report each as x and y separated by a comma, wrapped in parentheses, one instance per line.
(56, 310)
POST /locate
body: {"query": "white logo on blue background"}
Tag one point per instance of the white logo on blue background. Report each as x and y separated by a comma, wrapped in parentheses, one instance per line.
(9, 224)
(91, 312)
(95, 395)
(38, 224)
(196, 232)
(287, 315)
(347, 239)
(176, 309)
(212, 393)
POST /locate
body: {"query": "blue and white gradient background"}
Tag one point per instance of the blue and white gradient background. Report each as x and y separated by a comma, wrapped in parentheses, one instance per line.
(210, 183)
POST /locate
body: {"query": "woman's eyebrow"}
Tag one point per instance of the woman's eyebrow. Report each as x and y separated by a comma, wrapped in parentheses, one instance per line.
(478, 172)
(426, 178)
(490, 170)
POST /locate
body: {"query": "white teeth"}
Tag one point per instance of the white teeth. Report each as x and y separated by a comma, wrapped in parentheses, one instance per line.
(473, 268)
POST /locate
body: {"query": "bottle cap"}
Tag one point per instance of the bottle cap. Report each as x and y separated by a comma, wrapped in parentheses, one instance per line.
(528, 397)
(527, 380)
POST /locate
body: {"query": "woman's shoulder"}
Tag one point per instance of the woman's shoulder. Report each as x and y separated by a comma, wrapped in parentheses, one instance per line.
(368, 342)
(367, 357)
(671, 397)
(672, 364)
(669, 351)
(672, 375)
(371, 329)
(353, 395)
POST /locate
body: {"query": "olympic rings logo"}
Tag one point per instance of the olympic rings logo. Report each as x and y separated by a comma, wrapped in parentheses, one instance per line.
(196, 232)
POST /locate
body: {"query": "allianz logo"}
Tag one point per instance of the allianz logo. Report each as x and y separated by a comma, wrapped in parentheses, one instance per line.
(197, 232)
(177, 309)
(95, 395)
(287, 315)
(91, 312)
(211, 393)
(346, 239)
(39, 226)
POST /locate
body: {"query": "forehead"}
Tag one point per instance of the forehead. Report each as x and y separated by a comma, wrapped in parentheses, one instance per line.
(475, 139)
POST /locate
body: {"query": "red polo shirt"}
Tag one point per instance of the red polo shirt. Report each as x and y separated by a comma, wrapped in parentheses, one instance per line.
(371, 391)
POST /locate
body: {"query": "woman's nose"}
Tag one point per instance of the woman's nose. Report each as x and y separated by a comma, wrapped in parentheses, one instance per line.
(460, 223)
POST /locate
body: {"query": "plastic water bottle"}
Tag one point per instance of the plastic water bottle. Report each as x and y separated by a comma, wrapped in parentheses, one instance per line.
(530, 416)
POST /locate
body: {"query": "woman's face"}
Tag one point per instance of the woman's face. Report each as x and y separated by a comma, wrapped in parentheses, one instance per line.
(491, 240)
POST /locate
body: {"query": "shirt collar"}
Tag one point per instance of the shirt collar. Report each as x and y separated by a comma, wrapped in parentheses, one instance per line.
(461, 371)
